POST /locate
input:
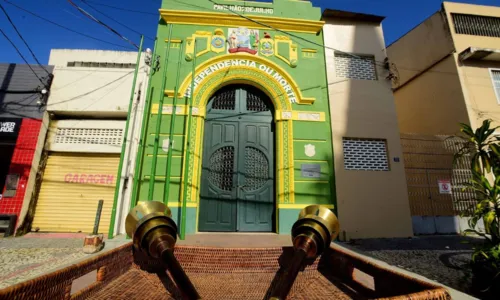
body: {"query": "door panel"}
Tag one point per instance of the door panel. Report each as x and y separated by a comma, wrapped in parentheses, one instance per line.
(237, 184)
(218, 193)
(255, 178)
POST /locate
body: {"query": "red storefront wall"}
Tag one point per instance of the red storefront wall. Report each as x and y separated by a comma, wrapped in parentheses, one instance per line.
(21, 164)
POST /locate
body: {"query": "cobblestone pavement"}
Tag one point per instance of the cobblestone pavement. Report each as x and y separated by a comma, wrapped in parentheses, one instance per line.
(24, 258)
(443, 259)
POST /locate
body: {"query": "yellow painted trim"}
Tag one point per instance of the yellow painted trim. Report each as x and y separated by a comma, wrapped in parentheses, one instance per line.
(174, 41)
(292, 50)
(308, 181)
(309, 160)
(180, 110)
(162, 177)
(167, 134)
(291, 164)
(170, 94)
(307, 140)
(258, 59)
(164, 155)
(178, 204)
(190, 49)
(301, 206)
(229, 19)
(310, 50)
(201, 102)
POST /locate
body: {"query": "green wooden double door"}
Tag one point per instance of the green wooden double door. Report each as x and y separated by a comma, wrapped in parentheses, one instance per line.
(237, 177)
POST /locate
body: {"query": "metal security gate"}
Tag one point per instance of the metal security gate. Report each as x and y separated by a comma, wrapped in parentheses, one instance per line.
(237, 190)
(72, 185)
(429, 159)
(423, 193)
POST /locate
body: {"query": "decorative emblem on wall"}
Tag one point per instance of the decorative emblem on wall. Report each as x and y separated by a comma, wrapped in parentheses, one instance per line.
(286, 50)
(202, 45)
(267, 45)
(310, 150)
(243, 40)
(218, 43)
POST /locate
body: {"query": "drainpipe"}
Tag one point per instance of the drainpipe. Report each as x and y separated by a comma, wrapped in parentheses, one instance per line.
(171, 132)
(152, 175)
(190, 107)
(124, 145)
(125, 197)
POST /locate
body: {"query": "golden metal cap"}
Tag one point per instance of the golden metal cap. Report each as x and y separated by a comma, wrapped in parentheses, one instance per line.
(324, 216)
(144, 211)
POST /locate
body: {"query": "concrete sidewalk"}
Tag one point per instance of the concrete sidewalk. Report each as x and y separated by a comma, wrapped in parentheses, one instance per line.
(35, 254)
(356, 251)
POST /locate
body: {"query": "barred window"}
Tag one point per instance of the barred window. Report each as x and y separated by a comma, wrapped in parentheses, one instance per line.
(89, 136)
(476, 25)
(365, 154)
(495, 78)
(355, 66)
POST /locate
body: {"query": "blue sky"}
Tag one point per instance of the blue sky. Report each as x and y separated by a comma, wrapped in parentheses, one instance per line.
(401, 16)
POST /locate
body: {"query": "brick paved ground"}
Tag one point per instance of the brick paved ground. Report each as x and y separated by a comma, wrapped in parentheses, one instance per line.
(24, 258)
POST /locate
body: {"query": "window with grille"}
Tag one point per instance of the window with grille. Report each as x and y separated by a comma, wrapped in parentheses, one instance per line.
(365, 154)
(495, 78)
(89, 136)
(476, 25)
(355, 67)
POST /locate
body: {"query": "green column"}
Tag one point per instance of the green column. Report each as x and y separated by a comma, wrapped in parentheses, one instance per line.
(124, 144)
(188, 154)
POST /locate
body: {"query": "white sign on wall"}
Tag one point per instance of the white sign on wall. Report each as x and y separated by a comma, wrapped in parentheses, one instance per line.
(7, 126)
(247, 9)
(444, 186)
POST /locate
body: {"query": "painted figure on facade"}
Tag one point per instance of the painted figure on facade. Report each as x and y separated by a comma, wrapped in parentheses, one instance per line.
(243, 40)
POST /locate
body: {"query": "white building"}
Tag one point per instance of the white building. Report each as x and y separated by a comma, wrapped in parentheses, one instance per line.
(88, 106)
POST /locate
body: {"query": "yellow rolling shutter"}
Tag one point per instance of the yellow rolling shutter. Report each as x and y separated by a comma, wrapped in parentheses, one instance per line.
(72, 185)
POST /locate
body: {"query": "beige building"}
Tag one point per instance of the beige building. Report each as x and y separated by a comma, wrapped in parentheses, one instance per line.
(447, 72)
(369, 171)
(88, 107)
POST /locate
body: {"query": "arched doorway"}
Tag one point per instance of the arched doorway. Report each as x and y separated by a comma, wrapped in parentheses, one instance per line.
(237, 177)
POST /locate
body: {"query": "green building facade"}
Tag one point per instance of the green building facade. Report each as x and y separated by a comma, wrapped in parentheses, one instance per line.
(255, 147)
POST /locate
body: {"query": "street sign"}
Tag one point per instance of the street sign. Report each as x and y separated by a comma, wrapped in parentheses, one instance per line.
(444, 186)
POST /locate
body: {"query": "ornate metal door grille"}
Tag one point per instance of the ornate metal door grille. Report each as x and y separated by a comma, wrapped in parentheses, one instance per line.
(255, 101)
(221, 168)
(225, 100)
(256, 169)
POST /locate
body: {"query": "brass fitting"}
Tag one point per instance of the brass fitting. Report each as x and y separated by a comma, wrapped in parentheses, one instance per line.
(315, 229)
(151, 227)
(154, 232)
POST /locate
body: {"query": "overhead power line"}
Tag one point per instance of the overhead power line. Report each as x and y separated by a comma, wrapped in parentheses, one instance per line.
(291, 34)
(114, 20)
(124, 9)
(64, 27)
(22, 56)
(19, 34)
(88, 15)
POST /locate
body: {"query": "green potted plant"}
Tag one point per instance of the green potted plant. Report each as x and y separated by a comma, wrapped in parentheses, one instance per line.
(482, 147)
